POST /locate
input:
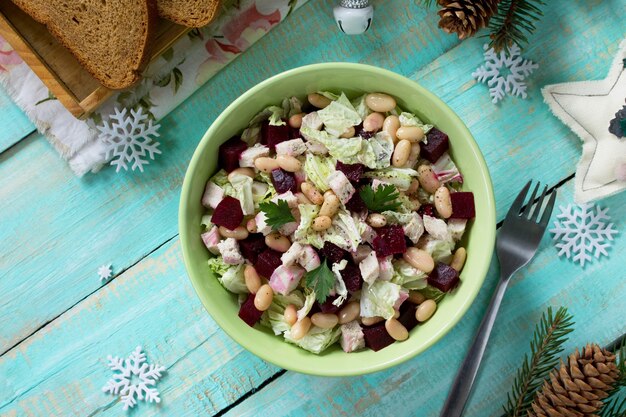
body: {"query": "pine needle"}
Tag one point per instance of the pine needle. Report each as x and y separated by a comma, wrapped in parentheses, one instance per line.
(425, 3)
(548, 338)
(513, 22)
(615, 404)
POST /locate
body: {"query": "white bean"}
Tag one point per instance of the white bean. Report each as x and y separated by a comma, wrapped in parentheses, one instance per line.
(348, 133)
(252, 279)
(248, 172)
(291, 314)
(312, 193)
(391, 126)
(300, 329)
(428, 179)
(419, 259)
(380, 102)
(459, 259)
(425, 310)
(411, 133)
(289, 163)
(239, 233)
(263, 297)
(443, 204)
(295, 121)
(321, 223)
(266, 164)
(251, 225)
(401, 153)
(415, 185)
(330, 205)
(370, 321)
(302, 199)
(396, 330)
(324, 320)
(318, 100)
(373, 122)
(376, 220)
(349, 312)
(277, 242)
(416, 297)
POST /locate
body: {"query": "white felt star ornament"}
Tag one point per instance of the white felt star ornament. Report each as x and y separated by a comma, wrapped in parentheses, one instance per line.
(105, 272)
(587, 107)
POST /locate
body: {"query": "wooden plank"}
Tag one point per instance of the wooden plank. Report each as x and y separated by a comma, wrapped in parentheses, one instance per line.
(61, 369)
(594, 295)
(118, 218)
(15, 124)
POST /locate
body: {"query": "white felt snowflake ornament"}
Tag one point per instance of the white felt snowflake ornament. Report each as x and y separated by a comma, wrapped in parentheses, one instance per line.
(504, 74)
(129, 138)
(580, 232)
(105, 272)
(134, 380)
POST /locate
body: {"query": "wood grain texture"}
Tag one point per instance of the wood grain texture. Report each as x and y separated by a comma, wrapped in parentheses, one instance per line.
(15, 124)
(56, 230)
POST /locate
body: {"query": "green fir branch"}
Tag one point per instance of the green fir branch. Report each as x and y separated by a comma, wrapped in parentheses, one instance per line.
(615, 403)
(548, 338)
(513, 22)
(426, 3)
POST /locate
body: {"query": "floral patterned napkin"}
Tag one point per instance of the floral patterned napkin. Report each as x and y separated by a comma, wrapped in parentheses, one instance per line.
(167, 81)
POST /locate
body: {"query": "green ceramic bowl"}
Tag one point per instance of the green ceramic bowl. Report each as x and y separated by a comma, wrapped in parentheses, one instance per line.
(353, 79)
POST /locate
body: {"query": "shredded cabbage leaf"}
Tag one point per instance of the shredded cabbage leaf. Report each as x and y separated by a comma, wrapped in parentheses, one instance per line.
(400, 177)
(318, 169)
(407, 276)
(317, 339)
(274, 315)
(378, 299)
(339, 116)
(242, 190)
(230, 276)
(409, 119)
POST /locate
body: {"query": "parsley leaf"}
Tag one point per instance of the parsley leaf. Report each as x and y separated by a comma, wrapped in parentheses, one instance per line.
(321, 280)
(277, 213)
(383, 198)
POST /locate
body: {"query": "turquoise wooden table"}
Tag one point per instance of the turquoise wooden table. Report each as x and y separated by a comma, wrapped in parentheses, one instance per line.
(58, 322)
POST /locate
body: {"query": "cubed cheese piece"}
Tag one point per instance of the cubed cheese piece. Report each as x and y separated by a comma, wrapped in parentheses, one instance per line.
(213, 194)
(286, 278)
(369, 268)
(293, 147)
(437, 228)
(247, 157)
(288, 229)
(316, 148)
(414, 229)
(385, 268)
(293, 253)
(261, 224)
(289, 197)
(229, 249)
(341, 186)
(368, 233)
(456, 228)
(312, 120)
(361, 253)
(211, 239)
(352, 337)
(309, 259)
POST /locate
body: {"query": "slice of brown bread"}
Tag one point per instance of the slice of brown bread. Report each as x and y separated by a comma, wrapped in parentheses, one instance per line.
(191, 13)
(110, 38)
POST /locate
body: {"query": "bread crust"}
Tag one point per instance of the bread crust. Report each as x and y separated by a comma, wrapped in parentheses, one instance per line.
(151, 13)
(186, 20)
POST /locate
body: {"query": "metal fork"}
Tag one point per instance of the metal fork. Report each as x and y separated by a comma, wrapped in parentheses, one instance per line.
(518, 241)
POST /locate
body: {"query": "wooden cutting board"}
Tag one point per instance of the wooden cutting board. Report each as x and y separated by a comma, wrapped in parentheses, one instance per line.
(74, 87)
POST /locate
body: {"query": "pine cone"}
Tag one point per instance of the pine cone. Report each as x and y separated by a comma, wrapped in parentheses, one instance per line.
(465, 17)
(577, 388)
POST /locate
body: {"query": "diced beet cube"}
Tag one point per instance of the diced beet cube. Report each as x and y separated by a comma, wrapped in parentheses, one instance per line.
(426, 209)
(376, 337)
(267, 262)
(443, 277)
(352, 277)
(229, 153)
(273, 135)
(294, 133)
(252, 246)
(328, 306)
(333, 253)
(249, 313)
(365, 134)
(389, 240)
(315, 308)
(353, 172)
(228, 213)
(283, 181)
(407, 315)
(356, 203)
(462, 205)
(437, 145)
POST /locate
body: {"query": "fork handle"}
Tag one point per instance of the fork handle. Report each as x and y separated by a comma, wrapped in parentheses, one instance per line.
(462, 386)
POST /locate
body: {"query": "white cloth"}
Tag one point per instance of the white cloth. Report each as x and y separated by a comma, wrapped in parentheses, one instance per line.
(587, 108)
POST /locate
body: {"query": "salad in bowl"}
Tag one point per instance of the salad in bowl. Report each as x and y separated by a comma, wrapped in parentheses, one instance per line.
(337, 219)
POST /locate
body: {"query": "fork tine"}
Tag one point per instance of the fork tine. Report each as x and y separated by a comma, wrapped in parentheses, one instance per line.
(545, 217)
(535, 216)
(519, 201)
(531, 200)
